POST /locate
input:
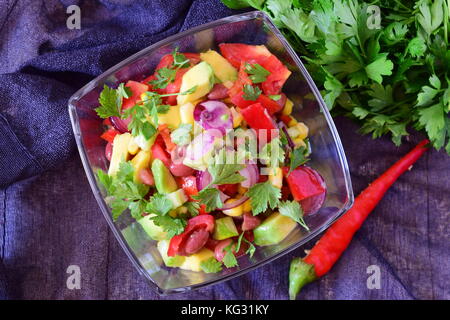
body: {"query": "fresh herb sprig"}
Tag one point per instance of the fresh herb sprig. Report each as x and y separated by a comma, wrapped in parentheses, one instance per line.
(256, 72)
(124, 193)
(166, 75)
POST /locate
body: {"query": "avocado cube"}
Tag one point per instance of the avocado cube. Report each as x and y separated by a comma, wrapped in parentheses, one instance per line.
(273, 230)
(200, 76)
(164, 181)
(224, 229)
(155, 232)
(163, 246)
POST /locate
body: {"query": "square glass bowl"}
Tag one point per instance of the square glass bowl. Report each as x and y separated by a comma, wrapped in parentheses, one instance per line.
(327, 157)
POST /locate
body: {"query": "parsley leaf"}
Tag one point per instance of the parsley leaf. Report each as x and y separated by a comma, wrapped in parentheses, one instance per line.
(211, 265)
(251, 248)
(272, 154)
(229, 260)
(123, 192)
(173, 226)
(159, 204)
(108, 103)
(299, 156)
(210, 197)
(223, 172)
(262, 196)
(257, 72)
(192, 207)
(293, 210)
(251, 92)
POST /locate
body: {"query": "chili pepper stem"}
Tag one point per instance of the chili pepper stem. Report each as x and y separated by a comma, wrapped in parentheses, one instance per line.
(300, 274)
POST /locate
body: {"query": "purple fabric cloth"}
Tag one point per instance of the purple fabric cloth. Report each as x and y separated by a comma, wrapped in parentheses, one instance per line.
(50, 220)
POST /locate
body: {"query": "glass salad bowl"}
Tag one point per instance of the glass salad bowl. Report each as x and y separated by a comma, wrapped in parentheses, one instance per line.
(328, 156)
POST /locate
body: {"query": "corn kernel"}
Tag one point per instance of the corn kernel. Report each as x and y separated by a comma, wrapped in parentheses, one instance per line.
(241, 189)
(237, 117)
(299, 142)
(303, 130)
(247, 206)
(276, 177)
(234, 212)
(288, 106)
(293, 122)
(133, 147)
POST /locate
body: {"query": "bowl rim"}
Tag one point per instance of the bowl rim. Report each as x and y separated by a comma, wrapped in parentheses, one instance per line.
(252, 15)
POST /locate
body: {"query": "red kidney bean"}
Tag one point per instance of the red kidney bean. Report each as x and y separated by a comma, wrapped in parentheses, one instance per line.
(108, 151)
(180, 170)
(146, 177)
(219, 91)
(196, 241)
(250, 222)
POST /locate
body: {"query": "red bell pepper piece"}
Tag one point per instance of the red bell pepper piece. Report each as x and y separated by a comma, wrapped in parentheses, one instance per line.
(189, 185)
(303, 183)
(109, 135)
(176, 245)
(259, 118)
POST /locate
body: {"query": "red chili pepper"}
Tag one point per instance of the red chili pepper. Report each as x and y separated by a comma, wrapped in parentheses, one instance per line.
(336, 239)
(176, 245)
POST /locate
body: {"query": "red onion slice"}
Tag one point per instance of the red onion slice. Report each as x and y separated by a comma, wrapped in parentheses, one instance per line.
(121, 125)
(312, 204)
(286, 133)
(214, 114)
(203, 179)
(251, 175)
(234, 204)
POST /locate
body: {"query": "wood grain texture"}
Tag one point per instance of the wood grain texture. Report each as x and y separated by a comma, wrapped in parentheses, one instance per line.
(56, 222)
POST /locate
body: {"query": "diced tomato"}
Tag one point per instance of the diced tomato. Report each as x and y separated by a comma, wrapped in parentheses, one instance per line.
(236, 93)
(146, 177)
(109, 134)
(258, 118)
(158, 152)
(189, 185)
(237, 52)
(229, 189)
(303, 183)
(271, 105)
(277, 77)
(167, 60)
(165, 134)
(137, 89)
(177, 243)
(174, 87)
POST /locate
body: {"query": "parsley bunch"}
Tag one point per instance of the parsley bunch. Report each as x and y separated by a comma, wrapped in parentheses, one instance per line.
(389, 75)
